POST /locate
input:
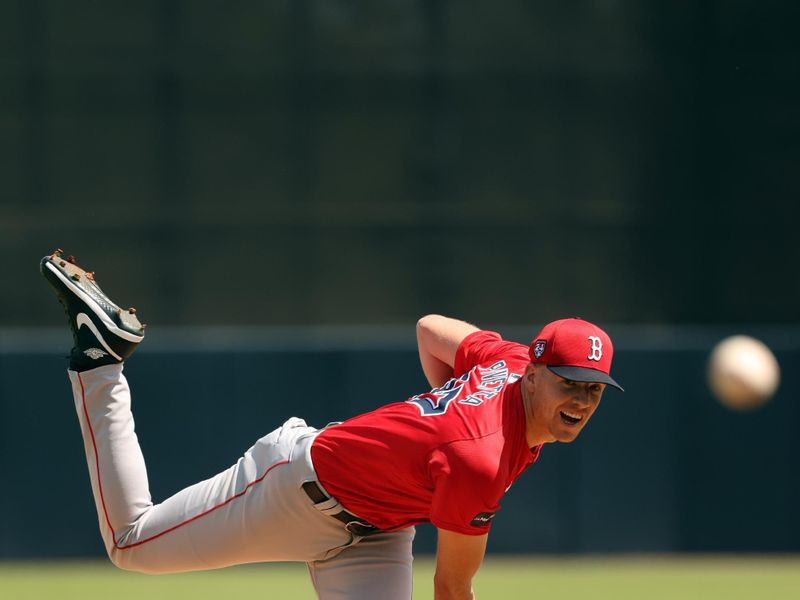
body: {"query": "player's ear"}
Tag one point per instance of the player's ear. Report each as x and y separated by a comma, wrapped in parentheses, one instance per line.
(529, 378)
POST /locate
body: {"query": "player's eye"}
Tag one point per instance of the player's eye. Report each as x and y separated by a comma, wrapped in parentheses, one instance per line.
(596, 389)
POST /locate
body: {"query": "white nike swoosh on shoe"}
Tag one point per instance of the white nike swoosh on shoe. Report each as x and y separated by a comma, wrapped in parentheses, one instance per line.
(83, 319)
(110, 325)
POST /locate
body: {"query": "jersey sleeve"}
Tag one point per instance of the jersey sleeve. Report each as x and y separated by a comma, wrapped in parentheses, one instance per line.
(463, 499)
(484, 346)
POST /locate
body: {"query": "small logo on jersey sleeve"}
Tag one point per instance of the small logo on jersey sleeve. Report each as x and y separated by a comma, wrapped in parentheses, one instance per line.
(483, 519)
(538, 348)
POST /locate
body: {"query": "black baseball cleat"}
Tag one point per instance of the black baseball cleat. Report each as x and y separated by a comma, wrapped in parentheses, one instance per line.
(104, 333)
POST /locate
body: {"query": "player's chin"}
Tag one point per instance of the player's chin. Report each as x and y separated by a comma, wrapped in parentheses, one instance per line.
(566, 437)
(567, 433)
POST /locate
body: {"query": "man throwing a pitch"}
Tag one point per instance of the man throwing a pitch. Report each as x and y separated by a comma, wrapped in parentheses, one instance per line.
(343, 499)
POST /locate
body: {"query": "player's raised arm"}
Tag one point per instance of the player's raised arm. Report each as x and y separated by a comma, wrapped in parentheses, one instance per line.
(438, 339)
(458, 558)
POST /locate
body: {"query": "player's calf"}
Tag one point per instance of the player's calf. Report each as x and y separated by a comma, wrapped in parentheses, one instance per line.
(103, 333)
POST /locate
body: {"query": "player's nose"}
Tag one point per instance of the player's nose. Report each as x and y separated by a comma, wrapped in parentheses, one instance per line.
(582, 395)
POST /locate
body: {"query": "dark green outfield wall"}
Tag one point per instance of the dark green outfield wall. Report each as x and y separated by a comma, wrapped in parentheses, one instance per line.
(661, 468)
(504, 162)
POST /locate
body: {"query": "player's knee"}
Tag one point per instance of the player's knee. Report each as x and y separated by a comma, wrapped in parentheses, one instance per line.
(119, 559)
(116, 558)
(132, 561)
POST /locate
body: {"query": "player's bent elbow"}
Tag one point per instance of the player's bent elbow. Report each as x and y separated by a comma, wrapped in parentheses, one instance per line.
(439, 335)
(428, 323)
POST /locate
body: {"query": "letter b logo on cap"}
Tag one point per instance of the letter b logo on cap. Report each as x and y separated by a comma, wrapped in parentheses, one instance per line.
(597, 348)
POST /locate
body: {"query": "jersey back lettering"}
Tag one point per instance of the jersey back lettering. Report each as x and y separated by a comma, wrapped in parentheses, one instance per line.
(442, 456)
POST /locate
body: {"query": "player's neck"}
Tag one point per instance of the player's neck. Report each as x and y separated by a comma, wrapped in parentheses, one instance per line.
(536, 433)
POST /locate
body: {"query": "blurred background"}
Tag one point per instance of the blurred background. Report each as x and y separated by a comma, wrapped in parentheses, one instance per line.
(283, 188)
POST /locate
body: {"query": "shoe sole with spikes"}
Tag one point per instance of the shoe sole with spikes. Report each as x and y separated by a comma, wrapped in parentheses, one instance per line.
(103, 332)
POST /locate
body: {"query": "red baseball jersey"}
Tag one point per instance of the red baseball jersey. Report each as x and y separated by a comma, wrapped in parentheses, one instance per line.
(446, 456)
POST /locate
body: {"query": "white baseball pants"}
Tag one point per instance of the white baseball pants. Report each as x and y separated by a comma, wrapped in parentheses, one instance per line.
(255, 511)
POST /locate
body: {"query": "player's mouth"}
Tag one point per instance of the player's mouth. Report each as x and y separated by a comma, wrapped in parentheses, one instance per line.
(569, 418)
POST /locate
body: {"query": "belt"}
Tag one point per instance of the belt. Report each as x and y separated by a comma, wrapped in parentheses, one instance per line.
(351, 522)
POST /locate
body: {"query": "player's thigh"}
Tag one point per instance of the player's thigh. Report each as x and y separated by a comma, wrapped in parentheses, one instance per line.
(378, 566)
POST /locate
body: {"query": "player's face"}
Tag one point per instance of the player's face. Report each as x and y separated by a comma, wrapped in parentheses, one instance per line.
(559, 407)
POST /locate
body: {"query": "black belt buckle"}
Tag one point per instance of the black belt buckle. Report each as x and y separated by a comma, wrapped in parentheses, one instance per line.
(360, 529)
(351, 524)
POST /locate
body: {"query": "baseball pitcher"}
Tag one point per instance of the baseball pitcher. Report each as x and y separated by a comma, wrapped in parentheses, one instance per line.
(343, 499)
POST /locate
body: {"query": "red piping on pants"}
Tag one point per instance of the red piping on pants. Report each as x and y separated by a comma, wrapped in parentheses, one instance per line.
(158, 535)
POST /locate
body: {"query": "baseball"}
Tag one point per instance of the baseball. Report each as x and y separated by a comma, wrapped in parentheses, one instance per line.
(742, 372)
